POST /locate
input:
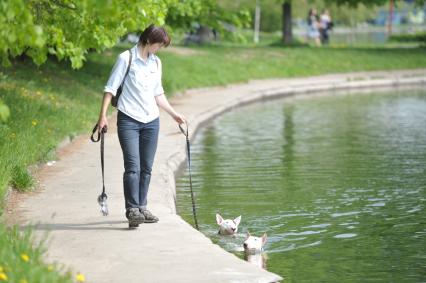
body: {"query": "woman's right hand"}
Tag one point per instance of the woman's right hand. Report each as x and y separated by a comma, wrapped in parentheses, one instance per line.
(102, 122)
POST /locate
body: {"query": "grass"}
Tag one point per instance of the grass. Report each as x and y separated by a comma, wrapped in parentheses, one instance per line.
(21, 262)
(52, 102)
(223, 65)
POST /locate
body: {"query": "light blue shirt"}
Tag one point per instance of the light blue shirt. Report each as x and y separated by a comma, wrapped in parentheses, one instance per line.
(142, 84)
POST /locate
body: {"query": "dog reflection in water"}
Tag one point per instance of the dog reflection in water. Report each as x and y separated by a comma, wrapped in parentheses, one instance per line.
(253, 250)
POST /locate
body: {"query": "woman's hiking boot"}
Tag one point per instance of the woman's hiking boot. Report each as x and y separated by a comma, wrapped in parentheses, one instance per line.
(135, 217)
(149, 217)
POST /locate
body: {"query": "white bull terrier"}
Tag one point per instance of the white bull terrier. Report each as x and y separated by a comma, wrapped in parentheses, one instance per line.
(253, 245)
(227, 226)
(258, 259)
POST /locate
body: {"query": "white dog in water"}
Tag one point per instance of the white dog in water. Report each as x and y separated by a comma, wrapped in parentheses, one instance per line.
(253, 250)
(227, 226)
(254, 244)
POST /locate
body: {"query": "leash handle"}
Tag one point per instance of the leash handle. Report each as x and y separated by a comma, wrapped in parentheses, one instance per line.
(104, 130)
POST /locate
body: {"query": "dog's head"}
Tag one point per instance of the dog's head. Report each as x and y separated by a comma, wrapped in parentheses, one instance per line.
(227, 226)
(254, 244)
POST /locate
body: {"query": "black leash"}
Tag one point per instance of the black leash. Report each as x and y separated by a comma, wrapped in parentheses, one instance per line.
(102, 198)
(186, 133)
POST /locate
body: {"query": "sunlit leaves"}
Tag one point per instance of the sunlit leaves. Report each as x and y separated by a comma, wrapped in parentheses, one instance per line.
(67, 29)
(207, 12)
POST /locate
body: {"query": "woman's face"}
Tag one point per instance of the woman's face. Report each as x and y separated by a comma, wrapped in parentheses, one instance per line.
(153, 48)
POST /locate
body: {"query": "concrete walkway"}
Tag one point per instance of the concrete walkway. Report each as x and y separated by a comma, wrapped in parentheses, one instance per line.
(102, 248)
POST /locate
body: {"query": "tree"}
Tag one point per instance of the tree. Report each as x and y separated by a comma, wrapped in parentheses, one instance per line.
(287, 28)
(208, 13)
(68, 28)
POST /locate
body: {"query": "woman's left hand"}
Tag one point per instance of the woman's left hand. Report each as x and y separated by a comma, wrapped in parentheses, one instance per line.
(179, 118)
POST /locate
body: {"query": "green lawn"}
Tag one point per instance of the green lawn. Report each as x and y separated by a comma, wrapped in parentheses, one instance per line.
(51, 102)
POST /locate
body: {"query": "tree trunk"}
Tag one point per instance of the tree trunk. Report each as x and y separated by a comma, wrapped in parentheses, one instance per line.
(287, 30)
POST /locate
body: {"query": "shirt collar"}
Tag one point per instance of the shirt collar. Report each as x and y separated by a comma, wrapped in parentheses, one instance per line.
(150, 55)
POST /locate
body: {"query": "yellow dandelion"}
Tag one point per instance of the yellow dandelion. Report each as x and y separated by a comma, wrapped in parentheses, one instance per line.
(34, 123)
(50, 268)
(1, 269)
(23, 281)
(12, 136)
(3, 276)
(38, 93)
(80, 277)
(25, 257)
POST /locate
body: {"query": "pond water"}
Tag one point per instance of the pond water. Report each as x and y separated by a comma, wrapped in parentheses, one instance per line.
(337, 182)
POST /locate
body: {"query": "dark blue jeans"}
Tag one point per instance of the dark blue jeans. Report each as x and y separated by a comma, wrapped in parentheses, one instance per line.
(139, 143)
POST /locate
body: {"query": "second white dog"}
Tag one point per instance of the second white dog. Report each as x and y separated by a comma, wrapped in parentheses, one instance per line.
(227, 226)
(254, 244)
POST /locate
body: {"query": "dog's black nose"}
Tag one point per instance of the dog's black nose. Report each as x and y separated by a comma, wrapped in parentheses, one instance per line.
(245, 245)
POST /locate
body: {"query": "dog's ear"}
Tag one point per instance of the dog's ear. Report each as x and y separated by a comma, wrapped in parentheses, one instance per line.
(264, 239)
(219, 219)
(237, 220)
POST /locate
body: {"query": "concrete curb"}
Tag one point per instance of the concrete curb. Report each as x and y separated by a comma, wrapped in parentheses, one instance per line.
(171, 250)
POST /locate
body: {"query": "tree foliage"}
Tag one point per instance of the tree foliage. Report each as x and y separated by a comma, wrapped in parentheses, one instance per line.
(69, 28)
(211, 13)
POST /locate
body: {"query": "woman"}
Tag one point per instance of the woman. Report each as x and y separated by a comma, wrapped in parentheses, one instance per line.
(138, 117)
(313, 27)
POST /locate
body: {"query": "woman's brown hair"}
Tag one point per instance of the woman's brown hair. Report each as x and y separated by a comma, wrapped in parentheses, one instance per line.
(154, 34)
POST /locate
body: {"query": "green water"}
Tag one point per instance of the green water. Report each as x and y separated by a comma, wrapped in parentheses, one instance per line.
(337, 182)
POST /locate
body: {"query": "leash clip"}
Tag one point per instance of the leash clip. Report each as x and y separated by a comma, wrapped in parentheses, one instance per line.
(102, 200)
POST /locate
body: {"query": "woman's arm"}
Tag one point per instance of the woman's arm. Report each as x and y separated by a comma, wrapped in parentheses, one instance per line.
(163, 103)
(102, 115)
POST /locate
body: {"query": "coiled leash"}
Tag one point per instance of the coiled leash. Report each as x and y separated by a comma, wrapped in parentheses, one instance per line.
(102, 198)
(185, 131)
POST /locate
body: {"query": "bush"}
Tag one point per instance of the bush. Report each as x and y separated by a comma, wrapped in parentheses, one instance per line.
(417, 37)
